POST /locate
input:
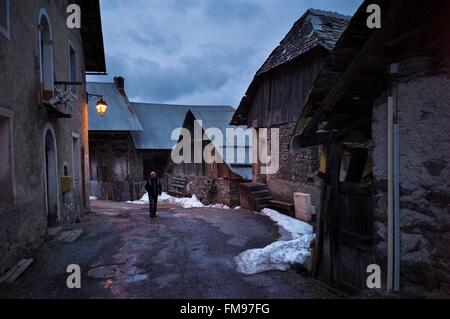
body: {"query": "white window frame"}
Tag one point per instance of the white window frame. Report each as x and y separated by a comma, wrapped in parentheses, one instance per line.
(9, 114)
(7, 32)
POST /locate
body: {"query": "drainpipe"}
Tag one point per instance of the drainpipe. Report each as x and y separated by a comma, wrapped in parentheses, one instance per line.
(396, 193)
(393, 284)
(390, 203)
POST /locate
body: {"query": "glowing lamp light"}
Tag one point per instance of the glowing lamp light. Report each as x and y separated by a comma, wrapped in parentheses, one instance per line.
(101, 107)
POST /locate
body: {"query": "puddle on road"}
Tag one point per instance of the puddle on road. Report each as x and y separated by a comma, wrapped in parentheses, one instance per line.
(116, 274)
(104, 272)
(109, 213)
(136, 278)
(70, 236)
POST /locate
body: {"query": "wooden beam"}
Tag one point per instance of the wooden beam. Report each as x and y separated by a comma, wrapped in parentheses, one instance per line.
(373, 45)
(16, 271)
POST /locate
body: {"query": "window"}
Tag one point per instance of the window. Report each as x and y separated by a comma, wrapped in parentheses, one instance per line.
(5, 18)
(46, 55)
(6, 164)
(73, 69)
(355, 166)
(76, 157)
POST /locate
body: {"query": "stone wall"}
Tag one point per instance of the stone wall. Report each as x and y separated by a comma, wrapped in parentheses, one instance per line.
(115, 165)
(424, 118)
(298, 170)
(227, 190)
(23, 222)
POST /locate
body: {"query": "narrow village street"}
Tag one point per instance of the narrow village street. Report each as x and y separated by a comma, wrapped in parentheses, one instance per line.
(184, 253)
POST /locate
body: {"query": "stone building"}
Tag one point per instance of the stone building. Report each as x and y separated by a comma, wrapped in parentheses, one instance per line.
(216, 180)
(379, 108)
(274, 101)
(133, 139)
(43, 119)
(115, 165)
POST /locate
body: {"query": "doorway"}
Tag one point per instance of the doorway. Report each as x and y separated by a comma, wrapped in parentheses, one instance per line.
(51, 179)
(344, 243)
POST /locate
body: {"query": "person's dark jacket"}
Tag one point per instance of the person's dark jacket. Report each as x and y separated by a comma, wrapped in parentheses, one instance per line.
(153, 188)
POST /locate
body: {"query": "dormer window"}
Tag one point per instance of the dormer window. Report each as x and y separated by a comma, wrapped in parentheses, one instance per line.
(5, 18)
(46, 56)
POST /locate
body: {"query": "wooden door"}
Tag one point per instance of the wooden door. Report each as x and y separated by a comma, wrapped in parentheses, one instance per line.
(344, 229)
(354, 237)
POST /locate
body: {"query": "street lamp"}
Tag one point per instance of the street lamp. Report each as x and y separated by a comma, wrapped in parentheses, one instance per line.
(101, 107)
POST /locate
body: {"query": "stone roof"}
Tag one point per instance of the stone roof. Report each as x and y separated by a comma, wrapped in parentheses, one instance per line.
(315, 28)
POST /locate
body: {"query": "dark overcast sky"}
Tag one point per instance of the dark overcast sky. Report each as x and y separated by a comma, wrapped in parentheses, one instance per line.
(197, 51)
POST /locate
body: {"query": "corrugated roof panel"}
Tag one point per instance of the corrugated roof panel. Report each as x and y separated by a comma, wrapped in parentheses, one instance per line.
(235, 152)
(243, 171)
(160, 120)
(120, 116)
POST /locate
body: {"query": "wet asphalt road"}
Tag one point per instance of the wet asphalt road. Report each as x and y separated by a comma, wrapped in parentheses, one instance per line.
(184, 253)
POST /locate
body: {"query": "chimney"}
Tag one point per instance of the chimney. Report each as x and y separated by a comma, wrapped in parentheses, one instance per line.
(120, 82)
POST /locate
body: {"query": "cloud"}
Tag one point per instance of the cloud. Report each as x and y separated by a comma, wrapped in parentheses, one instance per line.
(208, 72)
(196, 51)
(241, 11)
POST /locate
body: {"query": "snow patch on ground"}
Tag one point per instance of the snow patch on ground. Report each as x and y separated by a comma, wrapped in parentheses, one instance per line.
(186, 202)
(282, 254)
(294, 226)
(93, 198)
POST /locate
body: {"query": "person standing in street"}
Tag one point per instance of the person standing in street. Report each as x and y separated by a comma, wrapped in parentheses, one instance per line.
(154, 189)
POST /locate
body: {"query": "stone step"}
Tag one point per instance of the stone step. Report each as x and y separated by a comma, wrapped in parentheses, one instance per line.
(261, 194)
(262, 200)
(261, 207)
(283, 207)
(254, 187)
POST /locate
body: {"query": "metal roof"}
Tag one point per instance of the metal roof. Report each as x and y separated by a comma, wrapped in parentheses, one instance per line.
(160, 120)
(120, 116)
(235, 152)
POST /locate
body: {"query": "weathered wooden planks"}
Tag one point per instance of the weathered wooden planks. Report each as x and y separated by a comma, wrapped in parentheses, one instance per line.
(16, 271)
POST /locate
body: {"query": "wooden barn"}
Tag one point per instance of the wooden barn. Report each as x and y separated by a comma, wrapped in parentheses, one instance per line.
(154, 143)
(274, 101)
(213, 181)
(380, 110)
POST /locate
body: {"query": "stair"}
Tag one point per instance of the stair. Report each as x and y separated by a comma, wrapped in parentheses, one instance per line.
(177, 186)
(283, 207)
(257, 196)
